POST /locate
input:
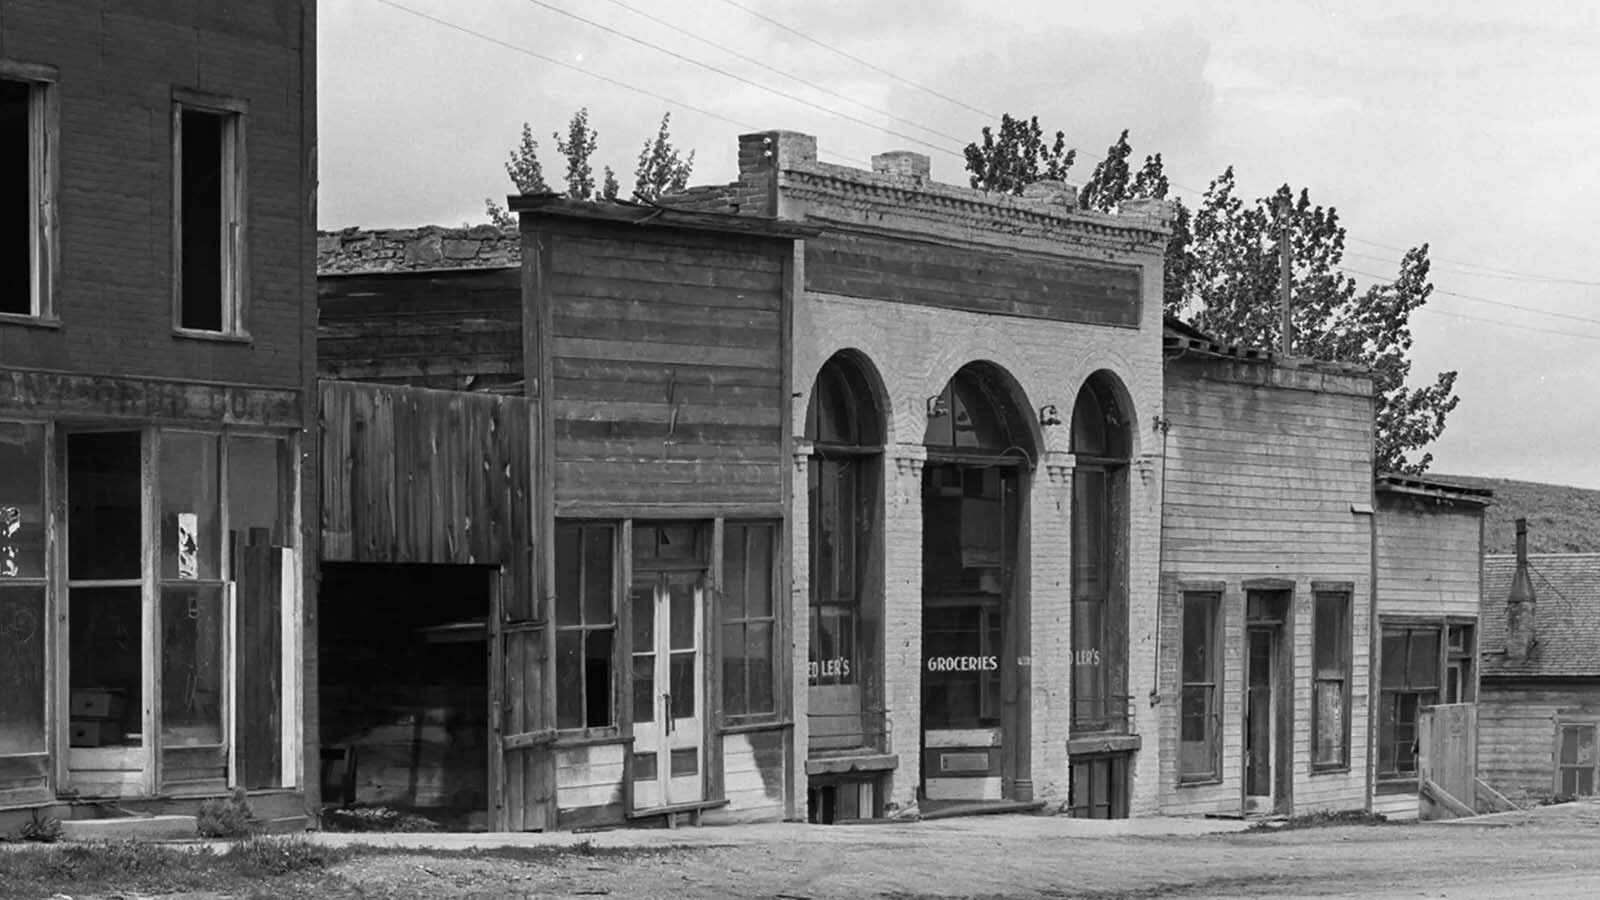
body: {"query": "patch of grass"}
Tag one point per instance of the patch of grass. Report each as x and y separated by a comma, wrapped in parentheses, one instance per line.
(125, 865)
(1322, 820)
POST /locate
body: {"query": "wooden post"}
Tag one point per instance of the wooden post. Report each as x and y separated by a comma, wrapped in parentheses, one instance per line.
(1285, 281)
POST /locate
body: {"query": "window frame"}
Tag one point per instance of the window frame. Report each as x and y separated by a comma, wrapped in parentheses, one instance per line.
(1563, 724)
(234, 261)
(44, 190)
(1344, 653)
(729, 717)
(1213, 595)
(1387, 695)
(614, 704)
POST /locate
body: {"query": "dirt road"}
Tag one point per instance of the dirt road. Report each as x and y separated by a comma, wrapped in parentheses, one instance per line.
(1551, 853)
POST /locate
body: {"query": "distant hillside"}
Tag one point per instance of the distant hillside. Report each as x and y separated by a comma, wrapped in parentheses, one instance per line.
(1561, 519)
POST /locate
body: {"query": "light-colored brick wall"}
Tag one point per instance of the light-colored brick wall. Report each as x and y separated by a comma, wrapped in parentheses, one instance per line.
(1269, 475)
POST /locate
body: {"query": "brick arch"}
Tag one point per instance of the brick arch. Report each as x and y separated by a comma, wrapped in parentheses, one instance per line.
(1012, 402)
(1111, 384)
(876, 395)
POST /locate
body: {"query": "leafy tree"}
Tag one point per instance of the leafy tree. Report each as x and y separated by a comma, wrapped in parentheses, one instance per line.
(1017, 157)
(577, 147)
(661, 169)
(526, 174)
(1222, 273)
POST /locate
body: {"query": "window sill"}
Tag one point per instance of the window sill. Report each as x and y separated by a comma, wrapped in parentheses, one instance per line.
(760, 725)
(1103, 743)
(1330, 770)
(1210, 781)
(221, 337)
(591, 737)
(26, 321)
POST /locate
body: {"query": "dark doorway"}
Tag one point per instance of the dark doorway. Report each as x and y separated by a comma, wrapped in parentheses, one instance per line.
(404, 689)
(1267, 713)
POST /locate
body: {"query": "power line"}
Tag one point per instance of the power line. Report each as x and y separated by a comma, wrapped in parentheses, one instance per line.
(1475, 299)
(725, 73)
(1489, 269)
(781, 73)
(1455, 269)
(1504, 324)
(582, 71)
(852, 57)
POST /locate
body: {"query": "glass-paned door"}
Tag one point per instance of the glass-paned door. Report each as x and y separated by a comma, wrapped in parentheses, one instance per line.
(668, 663)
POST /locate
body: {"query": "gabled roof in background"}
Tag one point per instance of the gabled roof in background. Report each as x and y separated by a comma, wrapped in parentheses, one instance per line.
(1566, 627)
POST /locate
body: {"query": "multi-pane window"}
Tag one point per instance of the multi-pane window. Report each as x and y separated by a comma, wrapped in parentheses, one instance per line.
(209, 215)
(1409, 681)
(749, 621)
(23, 623)
(27, 197)
(1575, 759)
(1199, 746)
(1459, 686)
(585, 624)
(1330, 701)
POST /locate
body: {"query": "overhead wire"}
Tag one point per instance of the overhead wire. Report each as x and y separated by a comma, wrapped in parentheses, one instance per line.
(737, 77)
(1448, 293)
(780, 72)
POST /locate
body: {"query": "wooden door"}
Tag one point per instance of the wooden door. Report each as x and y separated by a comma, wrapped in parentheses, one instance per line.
(668, 766)
(1259, 715)
(522, 771)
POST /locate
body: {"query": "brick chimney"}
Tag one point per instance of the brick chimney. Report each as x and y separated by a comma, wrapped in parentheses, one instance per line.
(1520, 606)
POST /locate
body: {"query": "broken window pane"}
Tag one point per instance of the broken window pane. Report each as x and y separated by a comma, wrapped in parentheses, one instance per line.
(106, 642)
(190, 511)
(192, 679)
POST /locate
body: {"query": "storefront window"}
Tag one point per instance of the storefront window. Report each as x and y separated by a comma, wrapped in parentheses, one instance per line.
(191, 611)
(1199, 746)
(1099, 607)
(748, 621)
(585, 624)
(1330, 688)
(846, 592)
(1409, 681)
(22, 590)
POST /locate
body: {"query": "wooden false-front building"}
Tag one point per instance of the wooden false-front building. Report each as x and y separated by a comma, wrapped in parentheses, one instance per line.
(155, 406)
(587, 469)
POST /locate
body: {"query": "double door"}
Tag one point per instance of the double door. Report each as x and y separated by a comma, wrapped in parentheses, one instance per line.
(668, 764)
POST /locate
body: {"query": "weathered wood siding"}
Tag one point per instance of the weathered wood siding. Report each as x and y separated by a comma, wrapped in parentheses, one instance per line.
(589, 785)
(1428, 557)
(665, 367)
(1517, 731)
(754, 778)
(975, 280)
(1263, 466)
(413, 475)
(452, 329)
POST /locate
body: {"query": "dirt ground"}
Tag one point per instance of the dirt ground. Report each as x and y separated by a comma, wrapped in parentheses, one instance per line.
(1548, 853)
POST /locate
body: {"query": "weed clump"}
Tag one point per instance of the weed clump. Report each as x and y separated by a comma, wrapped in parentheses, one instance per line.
(227, 817)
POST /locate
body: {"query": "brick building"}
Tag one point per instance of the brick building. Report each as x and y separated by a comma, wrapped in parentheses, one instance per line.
(156, 320)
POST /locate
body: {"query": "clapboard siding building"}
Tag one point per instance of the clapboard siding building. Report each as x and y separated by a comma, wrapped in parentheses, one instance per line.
(1266, 582)
(157, 440)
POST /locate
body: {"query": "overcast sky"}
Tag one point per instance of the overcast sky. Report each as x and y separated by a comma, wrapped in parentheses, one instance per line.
(1470, 126)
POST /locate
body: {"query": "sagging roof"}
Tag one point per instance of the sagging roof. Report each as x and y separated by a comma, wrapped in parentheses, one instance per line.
(1434, 488)
(649, 214)
(1179, 338)
(1566, 624)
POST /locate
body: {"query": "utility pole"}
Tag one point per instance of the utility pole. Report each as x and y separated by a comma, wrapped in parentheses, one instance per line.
(1285, 279)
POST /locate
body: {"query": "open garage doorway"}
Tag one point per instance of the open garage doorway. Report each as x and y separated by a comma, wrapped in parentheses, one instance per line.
(404, 692)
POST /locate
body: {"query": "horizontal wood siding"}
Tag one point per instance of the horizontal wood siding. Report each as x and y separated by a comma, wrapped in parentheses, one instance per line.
(1261, 474)
(1517, 732)
(666, 379)
(589, 785)
(972, 279)
(420, 476)
(453, 329)
(753, 777)
(1428, 557)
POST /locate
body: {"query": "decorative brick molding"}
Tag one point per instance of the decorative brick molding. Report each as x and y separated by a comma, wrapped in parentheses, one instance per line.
(1057, 466)
(908, 462)
(416, 249)
(802, 456)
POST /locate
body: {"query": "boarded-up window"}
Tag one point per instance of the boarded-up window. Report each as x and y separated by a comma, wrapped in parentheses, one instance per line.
(585, 624)
(1575, 760)
(749, 621)
(1409, 676)
(1330, 728)
(1199, 747)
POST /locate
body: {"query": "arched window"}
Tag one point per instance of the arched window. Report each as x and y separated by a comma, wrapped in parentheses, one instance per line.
(845, 427)
(1099, 559)
(976, 412)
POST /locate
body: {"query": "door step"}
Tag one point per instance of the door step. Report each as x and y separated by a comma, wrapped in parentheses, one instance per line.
(672, 813)
(129, 828)
(935, 809)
